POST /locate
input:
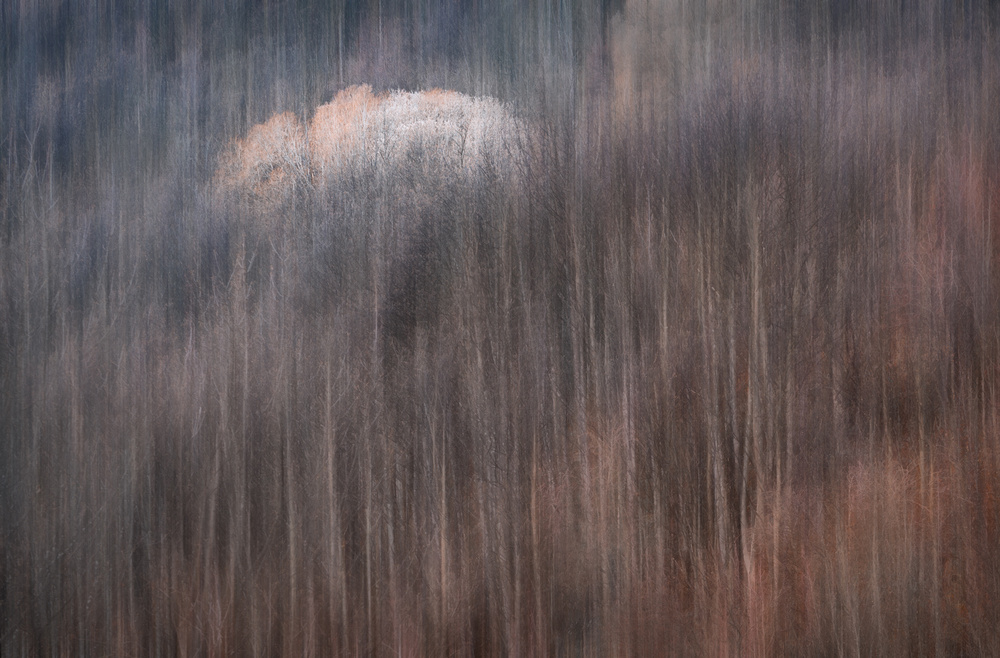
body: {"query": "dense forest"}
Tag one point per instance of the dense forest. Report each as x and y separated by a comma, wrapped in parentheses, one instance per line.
(509, 327)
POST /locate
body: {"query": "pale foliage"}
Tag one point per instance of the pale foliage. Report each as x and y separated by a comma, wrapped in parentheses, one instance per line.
(439, 133)
(266, 164)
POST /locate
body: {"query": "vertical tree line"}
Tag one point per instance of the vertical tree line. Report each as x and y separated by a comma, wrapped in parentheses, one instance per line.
(698, 356)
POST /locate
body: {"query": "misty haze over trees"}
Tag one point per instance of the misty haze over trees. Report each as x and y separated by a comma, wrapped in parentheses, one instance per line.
(526, 327)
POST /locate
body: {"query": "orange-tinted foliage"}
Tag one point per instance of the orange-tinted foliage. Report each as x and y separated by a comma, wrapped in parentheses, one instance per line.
(338, 127)
(268, 162)
(361, 132)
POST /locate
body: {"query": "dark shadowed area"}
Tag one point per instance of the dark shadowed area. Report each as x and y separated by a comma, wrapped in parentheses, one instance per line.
(522, 327)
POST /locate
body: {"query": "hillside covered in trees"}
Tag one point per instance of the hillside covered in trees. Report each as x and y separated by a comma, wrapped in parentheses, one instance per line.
(526, 327)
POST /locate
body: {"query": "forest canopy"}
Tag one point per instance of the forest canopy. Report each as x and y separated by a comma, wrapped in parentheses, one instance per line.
(526, 327)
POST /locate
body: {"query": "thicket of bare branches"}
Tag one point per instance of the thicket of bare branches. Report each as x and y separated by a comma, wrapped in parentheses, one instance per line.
(687, 345)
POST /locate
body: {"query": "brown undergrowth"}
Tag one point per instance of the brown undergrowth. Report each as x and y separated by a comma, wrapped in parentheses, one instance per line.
(694, 353)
